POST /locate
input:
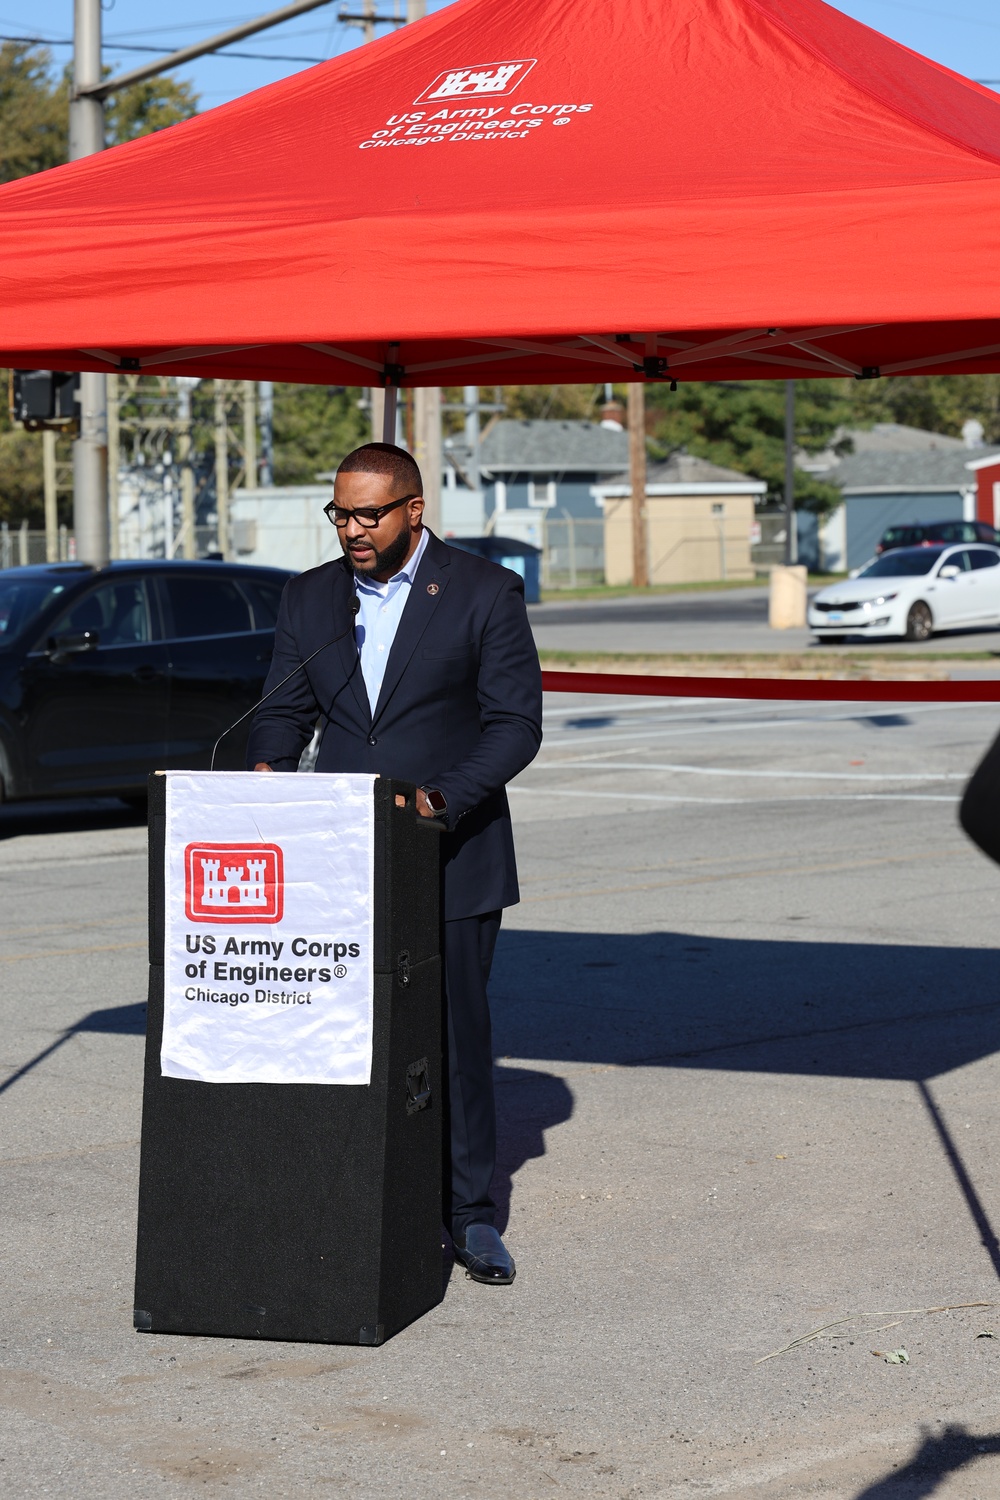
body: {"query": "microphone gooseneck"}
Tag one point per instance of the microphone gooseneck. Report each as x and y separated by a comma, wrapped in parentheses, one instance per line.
(353, 607)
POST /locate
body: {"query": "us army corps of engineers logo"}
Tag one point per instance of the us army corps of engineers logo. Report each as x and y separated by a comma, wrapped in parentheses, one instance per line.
(489, 80)
(462, 105)
(233, 883)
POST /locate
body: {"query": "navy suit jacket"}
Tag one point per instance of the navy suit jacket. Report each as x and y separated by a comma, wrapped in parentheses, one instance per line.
(460, 707)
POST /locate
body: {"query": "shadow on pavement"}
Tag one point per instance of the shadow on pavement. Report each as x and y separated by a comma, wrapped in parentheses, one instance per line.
(857, 1010)
(666, 999)
(77, 816)
(528, 1104)
(936, 1458)
(120, 1020)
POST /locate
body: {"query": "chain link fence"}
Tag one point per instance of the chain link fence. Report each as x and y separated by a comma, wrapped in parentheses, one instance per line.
(572, 552)
(572, 549)
(20, 546)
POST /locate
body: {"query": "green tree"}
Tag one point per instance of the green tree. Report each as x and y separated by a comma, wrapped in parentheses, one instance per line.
(33, 112)
(741, 425)
(940, 403)
(315, 426)
(147, 107)
(552, 402)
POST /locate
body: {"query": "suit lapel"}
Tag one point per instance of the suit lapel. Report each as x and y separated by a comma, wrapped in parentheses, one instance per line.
(348, 647)
(426, 592)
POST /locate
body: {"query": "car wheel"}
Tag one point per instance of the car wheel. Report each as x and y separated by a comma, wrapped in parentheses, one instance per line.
(919, 622)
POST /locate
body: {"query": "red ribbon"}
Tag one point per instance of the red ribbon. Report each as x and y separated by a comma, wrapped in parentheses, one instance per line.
(836, 691)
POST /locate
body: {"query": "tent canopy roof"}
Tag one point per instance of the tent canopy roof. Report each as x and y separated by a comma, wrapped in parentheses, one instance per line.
(537, 191)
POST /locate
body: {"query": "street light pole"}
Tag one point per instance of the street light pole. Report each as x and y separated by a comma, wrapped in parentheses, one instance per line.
(90, 450)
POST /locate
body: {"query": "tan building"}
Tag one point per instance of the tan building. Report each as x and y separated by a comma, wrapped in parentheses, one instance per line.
(699, 520)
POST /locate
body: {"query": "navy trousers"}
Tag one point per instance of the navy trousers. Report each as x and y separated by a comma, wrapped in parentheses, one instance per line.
(470, 1128)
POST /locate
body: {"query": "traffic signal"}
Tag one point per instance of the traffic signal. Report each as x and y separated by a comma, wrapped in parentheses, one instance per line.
(42, 399)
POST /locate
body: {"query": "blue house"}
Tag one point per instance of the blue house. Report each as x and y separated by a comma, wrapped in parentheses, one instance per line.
(550, 466)
(532, 471)
(894, 475)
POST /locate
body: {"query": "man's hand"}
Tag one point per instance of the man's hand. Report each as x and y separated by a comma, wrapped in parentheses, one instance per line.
(423, 806)
(262, 765)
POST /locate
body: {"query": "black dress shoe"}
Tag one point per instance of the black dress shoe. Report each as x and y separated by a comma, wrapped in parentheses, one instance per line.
(484, 1256)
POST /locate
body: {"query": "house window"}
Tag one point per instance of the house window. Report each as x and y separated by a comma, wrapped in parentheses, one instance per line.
(541, 492)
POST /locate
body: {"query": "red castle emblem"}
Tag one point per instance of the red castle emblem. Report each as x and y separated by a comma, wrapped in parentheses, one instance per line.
(233, 883)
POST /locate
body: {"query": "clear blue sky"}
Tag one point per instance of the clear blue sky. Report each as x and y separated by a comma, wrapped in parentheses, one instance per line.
(966, 39)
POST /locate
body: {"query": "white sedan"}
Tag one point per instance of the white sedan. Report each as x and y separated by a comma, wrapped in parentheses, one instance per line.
(911, 592)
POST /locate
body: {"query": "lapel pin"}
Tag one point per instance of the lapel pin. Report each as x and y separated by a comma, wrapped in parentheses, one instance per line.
(433, 588)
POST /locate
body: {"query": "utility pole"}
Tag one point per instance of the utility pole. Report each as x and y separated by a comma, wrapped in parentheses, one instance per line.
(90, 450)
(86, 138)
(368, 17)
(637, 476)
(791, 540)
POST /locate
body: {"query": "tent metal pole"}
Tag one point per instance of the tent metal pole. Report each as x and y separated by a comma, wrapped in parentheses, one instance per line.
(389, 414)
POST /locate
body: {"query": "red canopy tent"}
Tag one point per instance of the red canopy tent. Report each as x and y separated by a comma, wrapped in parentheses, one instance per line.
(535, 191)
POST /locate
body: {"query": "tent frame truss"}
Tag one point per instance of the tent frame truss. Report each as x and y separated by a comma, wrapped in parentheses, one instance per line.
(651, 356)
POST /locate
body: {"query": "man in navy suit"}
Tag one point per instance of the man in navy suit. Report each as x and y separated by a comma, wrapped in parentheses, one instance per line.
(438, 684)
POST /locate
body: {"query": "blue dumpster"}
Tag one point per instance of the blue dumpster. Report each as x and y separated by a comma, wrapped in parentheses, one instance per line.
(521, 557)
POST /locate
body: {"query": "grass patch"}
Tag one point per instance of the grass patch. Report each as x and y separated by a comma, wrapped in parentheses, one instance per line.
(626, 591)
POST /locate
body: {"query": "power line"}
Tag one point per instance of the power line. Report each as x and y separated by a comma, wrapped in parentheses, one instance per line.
(41, 41)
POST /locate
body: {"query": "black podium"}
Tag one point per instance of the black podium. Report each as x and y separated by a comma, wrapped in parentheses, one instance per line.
(305, 1211)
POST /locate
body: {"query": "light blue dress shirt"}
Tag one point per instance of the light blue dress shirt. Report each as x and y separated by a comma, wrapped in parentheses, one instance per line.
(378, 619)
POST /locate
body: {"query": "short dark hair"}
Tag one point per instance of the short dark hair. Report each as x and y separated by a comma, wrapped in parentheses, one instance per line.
(385, 458)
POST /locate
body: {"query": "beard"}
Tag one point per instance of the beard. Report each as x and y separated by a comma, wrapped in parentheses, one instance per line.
(389, 560)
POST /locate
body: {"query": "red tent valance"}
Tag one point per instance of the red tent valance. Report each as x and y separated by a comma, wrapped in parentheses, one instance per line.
(536, 191)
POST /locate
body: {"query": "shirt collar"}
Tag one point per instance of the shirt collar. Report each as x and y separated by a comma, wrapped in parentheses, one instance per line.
(405, 575)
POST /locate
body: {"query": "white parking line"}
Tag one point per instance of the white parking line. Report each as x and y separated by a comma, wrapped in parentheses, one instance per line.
(684, 770)
(526, 791)
(696, 725)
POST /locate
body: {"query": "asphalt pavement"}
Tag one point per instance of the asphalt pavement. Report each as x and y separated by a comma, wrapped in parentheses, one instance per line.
(747, 1032)
(723, 620)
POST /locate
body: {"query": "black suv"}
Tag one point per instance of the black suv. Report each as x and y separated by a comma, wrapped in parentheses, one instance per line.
(109, 673)
(929, 534)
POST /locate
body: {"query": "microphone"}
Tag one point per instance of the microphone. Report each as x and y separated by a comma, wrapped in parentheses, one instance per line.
(353, 608)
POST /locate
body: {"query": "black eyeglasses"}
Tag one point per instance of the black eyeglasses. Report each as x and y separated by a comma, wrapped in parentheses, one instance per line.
(368, 517)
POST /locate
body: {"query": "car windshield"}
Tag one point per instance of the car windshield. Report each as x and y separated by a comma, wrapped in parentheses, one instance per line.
(22, 601)
(904, 562)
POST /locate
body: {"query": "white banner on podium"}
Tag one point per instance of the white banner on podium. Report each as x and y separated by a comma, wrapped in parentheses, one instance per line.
(268, 972)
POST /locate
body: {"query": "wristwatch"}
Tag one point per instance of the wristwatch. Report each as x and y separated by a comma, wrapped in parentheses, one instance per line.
(435, 801)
